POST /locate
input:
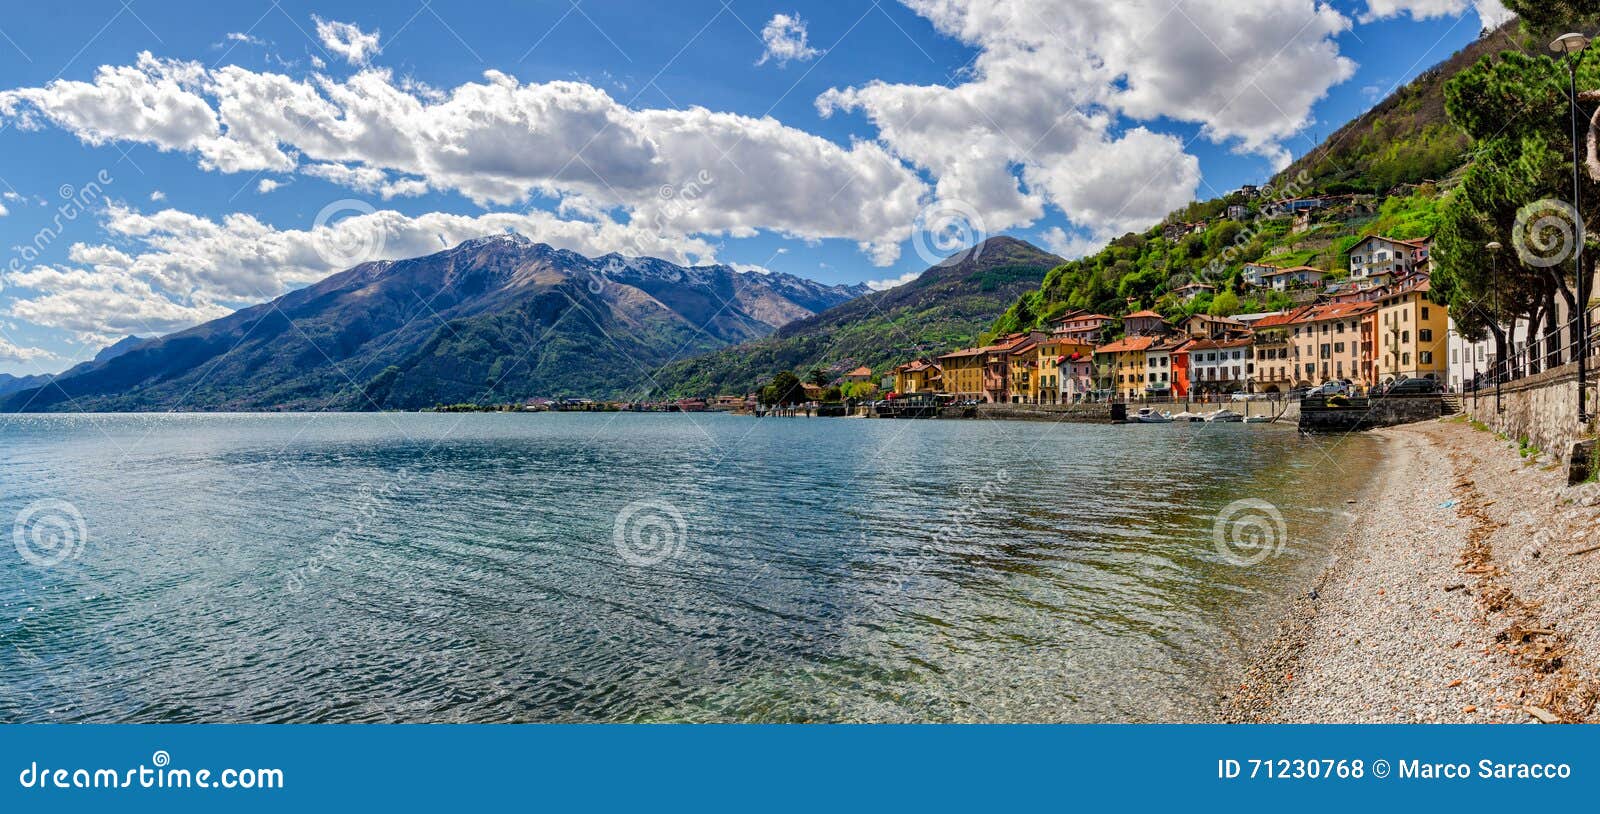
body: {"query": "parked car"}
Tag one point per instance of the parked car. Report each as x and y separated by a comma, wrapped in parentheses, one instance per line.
(1330, 388)
(1412, 387)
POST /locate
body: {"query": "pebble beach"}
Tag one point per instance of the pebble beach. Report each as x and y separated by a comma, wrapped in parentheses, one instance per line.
(1461, 594)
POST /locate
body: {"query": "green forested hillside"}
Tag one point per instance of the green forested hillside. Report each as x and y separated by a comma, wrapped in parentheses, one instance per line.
(1389, 172)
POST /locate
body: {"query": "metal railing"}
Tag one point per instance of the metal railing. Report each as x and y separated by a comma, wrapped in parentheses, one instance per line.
(1552, 350)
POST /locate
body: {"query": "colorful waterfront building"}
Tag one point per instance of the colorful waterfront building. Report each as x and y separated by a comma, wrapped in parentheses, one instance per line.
(1219, 366)
(1332, 341)
(1271, 350)
(1412, 333)
(1158, 376)
(997, 368)
(918, 376)
(962, 374)
(1023, 370)
(1123, 365)
(1065, 370)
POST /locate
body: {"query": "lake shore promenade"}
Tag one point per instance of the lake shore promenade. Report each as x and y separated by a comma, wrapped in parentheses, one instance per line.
(1460, 594)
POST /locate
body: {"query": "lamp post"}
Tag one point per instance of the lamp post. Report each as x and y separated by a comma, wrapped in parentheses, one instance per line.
(1572, 45)
(1494, 248)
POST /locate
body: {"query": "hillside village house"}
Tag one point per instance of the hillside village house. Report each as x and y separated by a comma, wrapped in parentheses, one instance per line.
(1219, 366)
(1254, 272)
(860, 374)
(1411, 333)
(1296, 277)
(1144, 323)
(920, 376)
(1274, 371)
(1212, 327)
(1332, 341)
(1189, 291)
(1124, 365)
(1379, 260)
(1080, 325)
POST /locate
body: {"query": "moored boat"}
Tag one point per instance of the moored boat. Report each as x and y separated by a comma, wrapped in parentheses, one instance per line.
(1148, 415)
(1225, 415)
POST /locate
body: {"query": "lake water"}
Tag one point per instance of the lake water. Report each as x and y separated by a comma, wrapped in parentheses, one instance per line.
(625, 567)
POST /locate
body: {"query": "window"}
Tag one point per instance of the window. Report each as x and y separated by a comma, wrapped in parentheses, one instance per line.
(1405, 336)
(1338, 347)
(1424, 312)
(1424, 334)
(1425, 357)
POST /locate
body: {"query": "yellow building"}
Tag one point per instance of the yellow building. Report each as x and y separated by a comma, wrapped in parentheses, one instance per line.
(962, 373)
(1412, 334)
(919, 376)
(1024, 370)
(1053, 354)
(1331, 342)
(1124, 363)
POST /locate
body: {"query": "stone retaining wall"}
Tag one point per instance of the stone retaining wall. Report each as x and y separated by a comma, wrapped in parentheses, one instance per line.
(1366, 414)
(1541, 409)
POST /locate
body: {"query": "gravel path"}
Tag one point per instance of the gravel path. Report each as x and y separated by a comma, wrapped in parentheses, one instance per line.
(1453, 600)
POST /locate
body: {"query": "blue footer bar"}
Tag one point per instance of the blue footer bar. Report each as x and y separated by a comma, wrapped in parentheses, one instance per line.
(790, 767)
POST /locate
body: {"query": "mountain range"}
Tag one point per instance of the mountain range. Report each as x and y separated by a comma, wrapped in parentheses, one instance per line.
(495, 319)
(945, 307)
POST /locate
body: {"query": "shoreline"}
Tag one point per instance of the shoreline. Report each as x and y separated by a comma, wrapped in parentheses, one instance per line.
(1460, 593)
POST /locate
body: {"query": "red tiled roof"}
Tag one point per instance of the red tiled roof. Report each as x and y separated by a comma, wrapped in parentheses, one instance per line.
(1334, 310)
(1143, 314)
(1275, 320)
(1130, 343)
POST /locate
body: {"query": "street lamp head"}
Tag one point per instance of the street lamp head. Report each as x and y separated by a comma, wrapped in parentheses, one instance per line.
(1569, 43)
(1494, 246)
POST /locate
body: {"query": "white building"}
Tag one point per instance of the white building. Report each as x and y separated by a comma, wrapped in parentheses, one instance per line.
(1378, 260)
(1477, 359)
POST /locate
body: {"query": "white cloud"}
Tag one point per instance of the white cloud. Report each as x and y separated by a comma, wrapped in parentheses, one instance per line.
(181, 269)
(17, 353)
(885, 285)
(1034, 124)
(357, 47)
(267, 185)
(497, 142)
(4, 211)
(785, 38)
(158, 196)
(1490, 12)
(239, 36)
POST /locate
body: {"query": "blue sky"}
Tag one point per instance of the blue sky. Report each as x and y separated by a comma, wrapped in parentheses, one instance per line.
(164, 163)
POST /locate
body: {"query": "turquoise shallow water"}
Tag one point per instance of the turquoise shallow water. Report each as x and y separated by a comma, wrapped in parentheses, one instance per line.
(622, 567)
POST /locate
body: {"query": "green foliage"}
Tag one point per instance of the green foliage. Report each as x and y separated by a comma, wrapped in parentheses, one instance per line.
(786, 388)
(1226, 304)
